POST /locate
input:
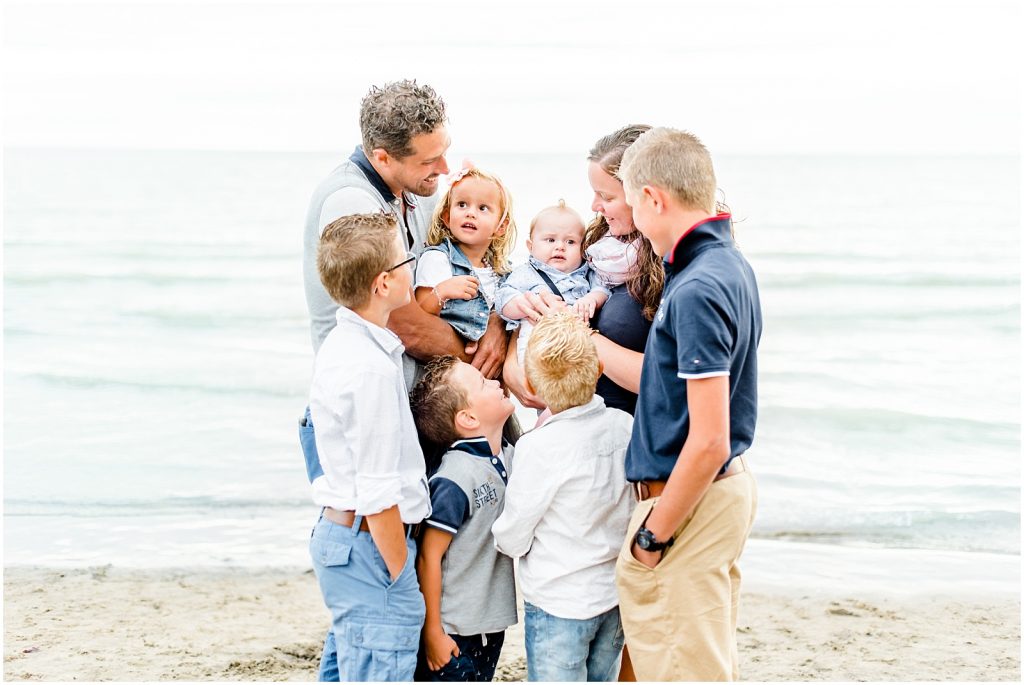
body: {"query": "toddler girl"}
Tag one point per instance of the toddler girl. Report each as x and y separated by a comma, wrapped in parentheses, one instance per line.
(470, 237)
(555, 266)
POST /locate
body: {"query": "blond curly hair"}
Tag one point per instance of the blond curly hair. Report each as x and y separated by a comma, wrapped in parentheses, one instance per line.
(501, 245)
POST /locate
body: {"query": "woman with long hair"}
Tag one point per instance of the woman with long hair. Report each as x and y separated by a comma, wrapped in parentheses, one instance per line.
(625, 319)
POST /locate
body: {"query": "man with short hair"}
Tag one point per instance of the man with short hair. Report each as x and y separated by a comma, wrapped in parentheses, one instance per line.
(677, 572)
(395, 171)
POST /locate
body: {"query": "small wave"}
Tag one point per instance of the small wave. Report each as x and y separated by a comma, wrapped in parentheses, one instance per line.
(148, 507)
(886, 421)
(221, 389)
(864, 280)
(148, 279)
(976, 531)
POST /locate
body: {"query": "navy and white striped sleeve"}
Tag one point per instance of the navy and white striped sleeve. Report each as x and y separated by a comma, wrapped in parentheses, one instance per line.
(704, 331)
(449, 506)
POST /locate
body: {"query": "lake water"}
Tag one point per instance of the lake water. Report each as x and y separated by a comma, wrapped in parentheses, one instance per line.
(157, 353)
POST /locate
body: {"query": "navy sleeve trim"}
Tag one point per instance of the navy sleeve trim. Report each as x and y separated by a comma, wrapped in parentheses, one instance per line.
(449, 505)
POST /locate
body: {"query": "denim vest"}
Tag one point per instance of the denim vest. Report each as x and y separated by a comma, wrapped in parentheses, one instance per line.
(467, 317)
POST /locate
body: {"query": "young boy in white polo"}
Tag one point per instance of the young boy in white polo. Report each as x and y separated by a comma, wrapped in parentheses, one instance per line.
(373, 488)
(467, 584)
(677, 572)
(566, 510)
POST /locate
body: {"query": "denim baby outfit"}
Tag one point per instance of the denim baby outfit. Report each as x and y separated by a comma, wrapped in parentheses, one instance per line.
(527, 279)
(467, 317)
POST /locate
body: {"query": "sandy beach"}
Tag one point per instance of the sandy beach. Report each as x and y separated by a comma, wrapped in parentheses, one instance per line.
(116, 624)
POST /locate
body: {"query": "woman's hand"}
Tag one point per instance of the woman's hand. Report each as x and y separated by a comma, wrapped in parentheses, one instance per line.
(515, 379)
(457, 288)
(546, 303)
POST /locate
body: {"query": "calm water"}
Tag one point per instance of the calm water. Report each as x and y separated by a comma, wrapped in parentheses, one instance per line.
(157, 354)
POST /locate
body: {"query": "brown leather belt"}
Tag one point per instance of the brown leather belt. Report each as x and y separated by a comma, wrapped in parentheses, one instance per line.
(347, 518)
(646, 489)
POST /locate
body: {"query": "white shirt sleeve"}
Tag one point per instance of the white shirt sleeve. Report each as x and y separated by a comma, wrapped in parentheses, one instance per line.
(358, 417)
(344, 202)
(431, 268)
(531, 488)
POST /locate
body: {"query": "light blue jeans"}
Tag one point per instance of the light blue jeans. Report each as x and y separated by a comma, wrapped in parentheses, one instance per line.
(375, 622)
(568, 649)
(328, 670)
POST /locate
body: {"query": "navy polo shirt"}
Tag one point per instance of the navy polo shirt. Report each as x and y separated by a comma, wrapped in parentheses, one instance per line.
(708, 324)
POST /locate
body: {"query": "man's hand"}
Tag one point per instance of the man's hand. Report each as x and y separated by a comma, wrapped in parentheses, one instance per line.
(440, 649)
(490, 349)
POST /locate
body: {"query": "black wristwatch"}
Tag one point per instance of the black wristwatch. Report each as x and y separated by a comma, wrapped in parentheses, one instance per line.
(646, 541)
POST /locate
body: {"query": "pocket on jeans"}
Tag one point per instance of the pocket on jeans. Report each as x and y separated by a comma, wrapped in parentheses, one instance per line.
(385, 573)
(328, 553)
(379, 652)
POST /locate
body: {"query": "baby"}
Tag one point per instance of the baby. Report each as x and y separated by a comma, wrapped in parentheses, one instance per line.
(555, 266)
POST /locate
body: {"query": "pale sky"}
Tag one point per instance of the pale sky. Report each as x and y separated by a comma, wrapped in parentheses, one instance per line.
(748, 77)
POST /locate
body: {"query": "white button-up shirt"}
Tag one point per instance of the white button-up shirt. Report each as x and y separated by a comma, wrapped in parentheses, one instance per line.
(567, 506)
(365, 434)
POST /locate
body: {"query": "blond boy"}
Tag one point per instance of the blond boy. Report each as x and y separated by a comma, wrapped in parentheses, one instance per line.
(678, 577)
(373, 488)
(467, 584)
(566, 510)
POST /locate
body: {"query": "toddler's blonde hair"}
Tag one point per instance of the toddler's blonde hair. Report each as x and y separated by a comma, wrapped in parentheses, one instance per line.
(561, 207)
(501, 245)
(561, 361)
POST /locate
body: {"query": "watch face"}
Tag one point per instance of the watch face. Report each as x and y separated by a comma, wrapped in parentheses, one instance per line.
(643, 540)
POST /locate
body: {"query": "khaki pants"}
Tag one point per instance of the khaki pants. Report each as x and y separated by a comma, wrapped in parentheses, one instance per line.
(680, 616)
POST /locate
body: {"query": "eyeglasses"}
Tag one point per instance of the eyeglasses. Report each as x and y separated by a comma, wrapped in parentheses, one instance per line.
(409, 259)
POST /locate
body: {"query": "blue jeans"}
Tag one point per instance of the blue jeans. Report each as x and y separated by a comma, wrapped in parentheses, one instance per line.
(568, 649)
(375, 622)
(328, 671)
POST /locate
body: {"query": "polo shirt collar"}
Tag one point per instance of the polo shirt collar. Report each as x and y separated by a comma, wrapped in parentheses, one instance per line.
(715, 230)
(594, 406)
(388, 341)
(478, 447)
(358, 157)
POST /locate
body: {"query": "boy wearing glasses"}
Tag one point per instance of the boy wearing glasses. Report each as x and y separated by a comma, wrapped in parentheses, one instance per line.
(373, 489)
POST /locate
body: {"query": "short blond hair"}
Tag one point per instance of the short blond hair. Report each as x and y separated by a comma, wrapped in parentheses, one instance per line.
(561, 361)
(353, 251)
(501, 245)
(673, 160)
(560, 208)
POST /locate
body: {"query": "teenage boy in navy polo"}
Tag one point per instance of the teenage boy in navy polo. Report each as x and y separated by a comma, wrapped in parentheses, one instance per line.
(467, 584)
(677, 571)
(373, 488)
